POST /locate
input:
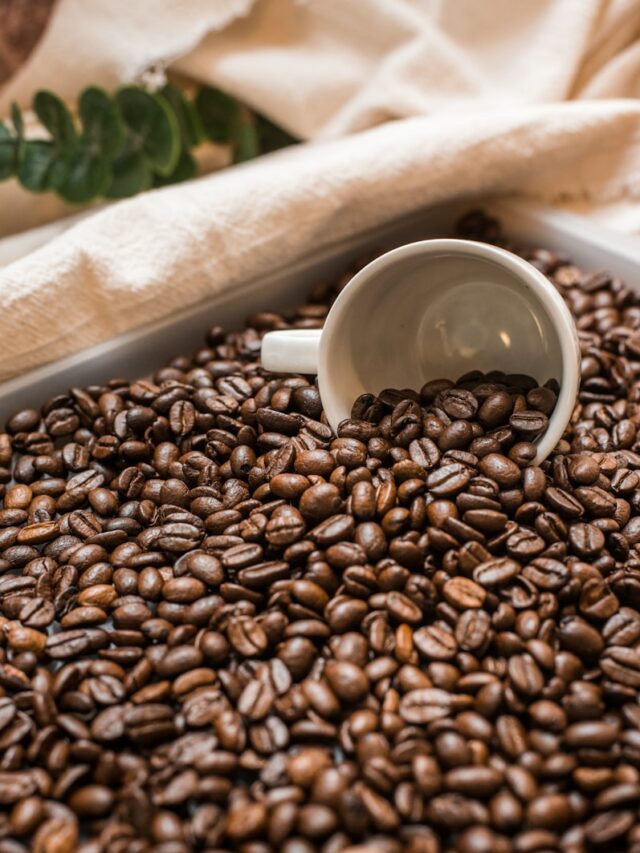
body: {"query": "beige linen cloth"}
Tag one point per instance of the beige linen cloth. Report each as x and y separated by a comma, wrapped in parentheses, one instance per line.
(404, 102)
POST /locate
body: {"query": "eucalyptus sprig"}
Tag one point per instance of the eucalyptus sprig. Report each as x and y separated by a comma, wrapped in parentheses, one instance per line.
(121, 144)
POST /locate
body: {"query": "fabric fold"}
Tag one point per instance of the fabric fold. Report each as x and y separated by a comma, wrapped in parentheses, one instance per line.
(147, 257)
(404, 103)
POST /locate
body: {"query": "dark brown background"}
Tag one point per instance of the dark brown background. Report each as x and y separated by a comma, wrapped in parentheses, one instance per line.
(21, 25)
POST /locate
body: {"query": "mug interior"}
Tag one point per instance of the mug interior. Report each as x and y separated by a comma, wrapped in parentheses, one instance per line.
(439, 309)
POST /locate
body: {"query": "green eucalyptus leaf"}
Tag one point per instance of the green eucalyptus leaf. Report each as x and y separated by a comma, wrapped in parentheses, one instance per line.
(271, 136)
(217, 113)
(130, 142)
(191, 130)
(154, 130)
(8, 148)
(55, 116)
(17, 120)
(244, 137)
(35, 163)
(186, 169)
(87, 176)
(130, 175)
(60, 168)
(102, 126)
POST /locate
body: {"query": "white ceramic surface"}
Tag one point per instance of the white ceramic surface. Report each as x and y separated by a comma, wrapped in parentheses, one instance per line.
(437, 308)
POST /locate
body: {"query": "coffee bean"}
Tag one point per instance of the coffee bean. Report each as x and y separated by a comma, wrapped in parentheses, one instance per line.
(26, 815)
(178, 659)
(222, 626)
(590, 734)
(36, 612)
(183, 590)
(524, 545)
(548, 715)
(472, 630)
(513, 741)
(285, 527)
(486, 520)
(66, 644)
(256, 700)
(495, 409)
(525, 675)
(596, 501)
(549, 811)
(205, 567)
(247, 636)
(56, 835)
(523, 453)
(403, 609)
(457, 403)
(15, 787)
(473, 781)
(425, 705)
(431, 389)
(546, 573)
(583, 470)
(542, 400)
(496, 572)
(320, 501)
(451, 812)
(456, 435)
(609, 827)
(448, 480)
(25, 420)
(580, 637)
(501, 469)
(435, 642)
(622, 665)
(529, 423)
(92, 801)
(623, 628)
(347, 680)
(463, 593)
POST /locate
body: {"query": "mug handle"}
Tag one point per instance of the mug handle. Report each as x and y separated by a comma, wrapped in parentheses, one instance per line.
(291, 351)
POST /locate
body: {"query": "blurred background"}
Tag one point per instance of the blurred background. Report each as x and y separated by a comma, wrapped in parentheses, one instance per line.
(21, 25)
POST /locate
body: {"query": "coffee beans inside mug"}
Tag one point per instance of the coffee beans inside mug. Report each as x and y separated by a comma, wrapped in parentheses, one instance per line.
(224, 628)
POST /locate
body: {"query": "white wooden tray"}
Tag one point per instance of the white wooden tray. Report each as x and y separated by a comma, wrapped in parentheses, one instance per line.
(142, 350)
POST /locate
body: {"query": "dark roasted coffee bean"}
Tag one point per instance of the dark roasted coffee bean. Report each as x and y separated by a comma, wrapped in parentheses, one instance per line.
(496, 572)
(542, 400)
(529, 423)
(525, 675)
(320, 501)
(586, 540)
(546, 573)
(68, 644)
(425, 705)
(472, 630)
(448, 480)
(464, 593)
(549, 811)
(223, 627)
(435, 643)
(457, 435)
(424, 452)
(92, 801)
(457, 403)
(579, 637)
(501, 469)
(495, 409)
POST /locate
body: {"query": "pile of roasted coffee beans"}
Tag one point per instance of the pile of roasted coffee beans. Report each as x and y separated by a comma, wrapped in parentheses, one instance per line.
(223, 628)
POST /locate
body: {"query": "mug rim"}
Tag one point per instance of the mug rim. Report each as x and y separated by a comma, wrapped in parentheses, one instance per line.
(543, 289)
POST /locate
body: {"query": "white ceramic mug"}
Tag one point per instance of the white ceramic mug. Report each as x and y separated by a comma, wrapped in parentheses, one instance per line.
(434, 309)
